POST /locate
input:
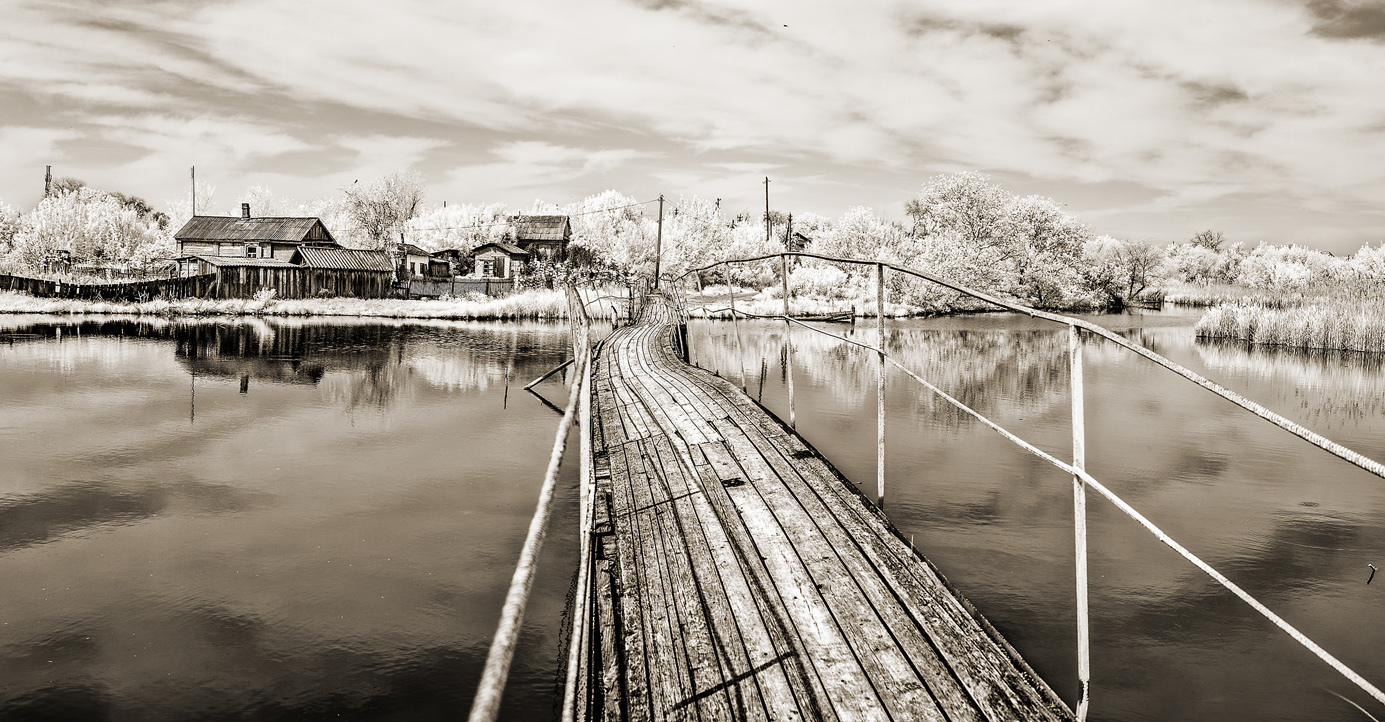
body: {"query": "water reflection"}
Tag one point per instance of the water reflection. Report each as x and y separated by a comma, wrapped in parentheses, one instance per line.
(331, 537)
(1292, 525)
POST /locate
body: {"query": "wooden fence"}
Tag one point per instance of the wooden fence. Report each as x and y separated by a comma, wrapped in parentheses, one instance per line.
(459, 286)
(227, 282)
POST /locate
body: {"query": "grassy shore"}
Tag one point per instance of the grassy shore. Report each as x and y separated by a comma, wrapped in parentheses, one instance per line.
(534, 304)
(1314, 325)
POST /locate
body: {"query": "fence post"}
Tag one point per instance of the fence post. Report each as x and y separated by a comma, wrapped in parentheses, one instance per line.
(880, 383)
(788, 339)
(1079, 508)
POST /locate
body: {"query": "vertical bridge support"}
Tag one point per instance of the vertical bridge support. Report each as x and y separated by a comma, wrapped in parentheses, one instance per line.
(880, 384)
(1079, 522)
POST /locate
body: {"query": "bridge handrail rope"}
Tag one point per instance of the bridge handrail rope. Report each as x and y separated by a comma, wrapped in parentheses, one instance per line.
(485, 707)
(1080, 476)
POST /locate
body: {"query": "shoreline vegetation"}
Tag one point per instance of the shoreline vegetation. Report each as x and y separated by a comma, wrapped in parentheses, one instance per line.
(1313, 326)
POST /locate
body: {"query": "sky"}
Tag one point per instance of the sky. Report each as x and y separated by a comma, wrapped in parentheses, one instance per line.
(1153, 119)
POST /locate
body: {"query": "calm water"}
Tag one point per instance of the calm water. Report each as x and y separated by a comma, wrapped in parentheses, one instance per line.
(267, 520)
(1292, 525)
(283, 520)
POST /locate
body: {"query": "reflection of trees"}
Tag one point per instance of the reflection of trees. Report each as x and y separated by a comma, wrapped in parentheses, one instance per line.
(1345, 385)
(989, 370)
(371, 363)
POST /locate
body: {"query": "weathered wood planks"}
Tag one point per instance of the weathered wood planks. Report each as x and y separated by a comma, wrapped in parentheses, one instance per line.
(740, 577)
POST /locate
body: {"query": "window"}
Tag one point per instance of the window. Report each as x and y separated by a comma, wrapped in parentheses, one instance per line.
(252, 250)
(488, 267)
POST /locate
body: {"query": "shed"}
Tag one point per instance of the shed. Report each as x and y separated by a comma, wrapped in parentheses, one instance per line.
(798, 242)
(456, 261)
(336, 257)
(338, 271)
(499, 260)
(247, 237)
(544, 237)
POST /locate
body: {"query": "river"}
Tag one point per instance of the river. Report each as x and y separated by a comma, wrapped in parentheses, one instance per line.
(276, 519)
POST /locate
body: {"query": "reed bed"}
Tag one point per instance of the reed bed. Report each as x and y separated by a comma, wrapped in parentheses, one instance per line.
(1312, 326)
(539, 304)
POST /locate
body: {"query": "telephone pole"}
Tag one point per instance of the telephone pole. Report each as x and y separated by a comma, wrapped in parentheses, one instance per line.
(766, 209)
(194, 190)
(659, 242)
(48, 182)
(788, 235)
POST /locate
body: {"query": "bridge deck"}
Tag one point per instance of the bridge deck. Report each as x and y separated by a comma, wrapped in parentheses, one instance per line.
(736, 575)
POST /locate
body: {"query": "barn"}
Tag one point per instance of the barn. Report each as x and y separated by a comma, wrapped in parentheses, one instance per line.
(544, 237)
(247, 237)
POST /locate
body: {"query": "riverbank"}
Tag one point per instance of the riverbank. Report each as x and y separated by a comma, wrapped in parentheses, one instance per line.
(539, 304)
(1313, 326)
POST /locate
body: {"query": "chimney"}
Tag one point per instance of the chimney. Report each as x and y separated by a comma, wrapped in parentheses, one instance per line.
(245, 210)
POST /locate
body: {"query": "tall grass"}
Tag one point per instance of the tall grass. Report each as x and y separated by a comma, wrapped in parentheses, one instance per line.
(1315, 325)
(541, 304)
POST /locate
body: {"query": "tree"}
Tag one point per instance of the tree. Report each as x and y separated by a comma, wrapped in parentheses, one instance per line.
(460, 226)
(379, 209)
(66, 184)
(94, 227)
(9, 226)
(962, 204)
(1123, 270)
(1211, 240)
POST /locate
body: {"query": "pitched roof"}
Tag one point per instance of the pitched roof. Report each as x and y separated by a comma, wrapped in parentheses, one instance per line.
(225, 261)
(509, 248)
(348, 258)
(413, 250)
(234, 228)
(542, 228)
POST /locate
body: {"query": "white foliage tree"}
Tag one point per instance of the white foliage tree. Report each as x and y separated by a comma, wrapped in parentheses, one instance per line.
(378, 210)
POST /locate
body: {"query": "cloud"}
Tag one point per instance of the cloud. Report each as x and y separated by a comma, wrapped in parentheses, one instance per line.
(1243, 99)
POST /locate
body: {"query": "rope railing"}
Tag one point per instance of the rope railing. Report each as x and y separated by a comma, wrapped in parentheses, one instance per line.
(485, 707)
(1081, 479)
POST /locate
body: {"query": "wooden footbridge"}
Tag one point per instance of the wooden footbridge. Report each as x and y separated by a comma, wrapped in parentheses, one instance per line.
(728, 571)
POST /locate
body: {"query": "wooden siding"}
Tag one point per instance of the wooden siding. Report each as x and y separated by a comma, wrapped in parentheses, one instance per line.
(219, 283)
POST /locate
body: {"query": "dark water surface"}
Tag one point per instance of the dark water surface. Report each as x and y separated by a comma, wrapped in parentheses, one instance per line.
(1292, 525)
(262, 520)
(265, 520)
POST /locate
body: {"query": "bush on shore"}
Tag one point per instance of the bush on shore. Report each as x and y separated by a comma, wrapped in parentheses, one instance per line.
(1317, 326)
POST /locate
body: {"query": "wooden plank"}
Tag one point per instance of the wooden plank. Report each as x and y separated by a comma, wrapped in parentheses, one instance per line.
(640, 654)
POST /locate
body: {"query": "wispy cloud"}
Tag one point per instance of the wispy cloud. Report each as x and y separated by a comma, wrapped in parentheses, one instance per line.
(1209, 107)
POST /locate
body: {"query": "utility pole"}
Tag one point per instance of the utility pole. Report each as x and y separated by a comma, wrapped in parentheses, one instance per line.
(788, 235)
(659, 242)
(48, 182)
(194, 190)
(766, 209)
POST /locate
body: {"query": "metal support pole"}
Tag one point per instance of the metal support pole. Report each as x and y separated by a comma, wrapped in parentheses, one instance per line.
(788, 339)
(880, 383)
(736, 327)
(659, 242)
(1079, 508)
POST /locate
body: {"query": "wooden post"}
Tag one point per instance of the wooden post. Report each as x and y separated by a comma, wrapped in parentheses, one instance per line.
(194, 190)
(788, 335)
(767, 211)
(48, 181)
(880, 382)
(1079, 506)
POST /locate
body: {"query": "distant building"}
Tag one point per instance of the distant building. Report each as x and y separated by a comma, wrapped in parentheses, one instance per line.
(544, 237)
(247, 237)
(499, 260)
(456, 261)
(799, 242)
(416, 259)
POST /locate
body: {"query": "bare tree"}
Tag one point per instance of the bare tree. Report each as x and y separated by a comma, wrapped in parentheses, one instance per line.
(379, 209)
(1211, 240)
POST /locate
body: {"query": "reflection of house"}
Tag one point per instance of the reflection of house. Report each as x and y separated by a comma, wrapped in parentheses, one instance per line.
(499, 260)
(247, 237)
(544, 237)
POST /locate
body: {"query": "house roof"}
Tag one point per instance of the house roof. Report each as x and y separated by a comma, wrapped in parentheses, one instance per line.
(509, 248)
(235, 228)
(542, 228)
(347, 258)
(413, 250)
(228, 261)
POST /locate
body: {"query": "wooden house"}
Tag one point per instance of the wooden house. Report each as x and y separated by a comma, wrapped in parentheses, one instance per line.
(499, 260)
(544, 237)
(337, 271)
(456, 261)
(415, 259)
(247, 237)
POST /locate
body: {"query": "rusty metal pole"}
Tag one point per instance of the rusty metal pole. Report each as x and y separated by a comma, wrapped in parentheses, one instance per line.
(788, 338)
(880, 382)
(1079, 507)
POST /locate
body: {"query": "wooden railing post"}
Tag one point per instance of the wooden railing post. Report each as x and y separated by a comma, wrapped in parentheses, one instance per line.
(1079, 509)
(788, 340)
(880, 383)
